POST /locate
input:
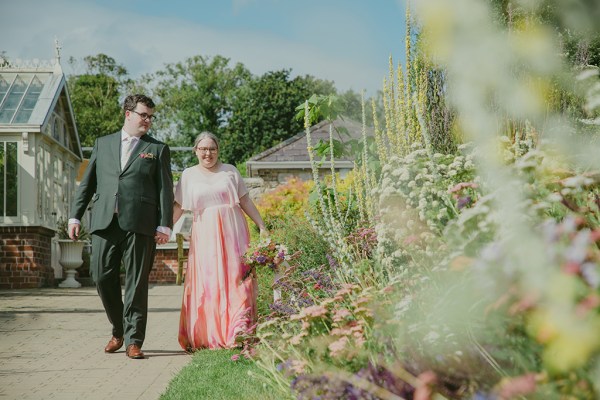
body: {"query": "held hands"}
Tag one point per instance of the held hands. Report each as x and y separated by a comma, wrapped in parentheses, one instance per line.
(73, 231)
(161, 238)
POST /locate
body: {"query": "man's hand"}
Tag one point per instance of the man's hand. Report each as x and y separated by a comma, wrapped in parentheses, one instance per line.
(74, 231)
(161, 238)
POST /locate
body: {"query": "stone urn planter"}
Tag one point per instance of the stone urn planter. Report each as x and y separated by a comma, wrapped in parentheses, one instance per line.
(71, 259)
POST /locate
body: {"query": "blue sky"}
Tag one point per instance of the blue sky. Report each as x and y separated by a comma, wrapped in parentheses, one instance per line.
(347, 41)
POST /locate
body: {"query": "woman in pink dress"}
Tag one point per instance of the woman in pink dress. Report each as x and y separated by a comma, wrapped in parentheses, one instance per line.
(217, 304)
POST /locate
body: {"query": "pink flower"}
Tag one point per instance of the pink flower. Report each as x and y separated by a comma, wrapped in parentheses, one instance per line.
(338, 346)
(341, 314)
(463, 185)
(235, 357)
(339, 332)
(299, 367)
(314, 311)
(410, 239)
(296, 340)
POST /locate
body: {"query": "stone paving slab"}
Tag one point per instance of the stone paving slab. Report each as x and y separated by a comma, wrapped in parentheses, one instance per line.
(52, 346)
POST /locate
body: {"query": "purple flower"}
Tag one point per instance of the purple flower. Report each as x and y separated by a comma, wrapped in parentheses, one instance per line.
(463, 202)
(261, 259)
(332, 261)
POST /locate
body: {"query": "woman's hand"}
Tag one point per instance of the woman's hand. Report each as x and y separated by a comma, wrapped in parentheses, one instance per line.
(264, 233)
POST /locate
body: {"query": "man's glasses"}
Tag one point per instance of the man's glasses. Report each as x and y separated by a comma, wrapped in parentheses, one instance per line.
(145, 117)
(212, 150)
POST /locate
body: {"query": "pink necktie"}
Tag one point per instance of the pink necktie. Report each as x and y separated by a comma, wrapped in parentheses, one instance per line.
(126, 150)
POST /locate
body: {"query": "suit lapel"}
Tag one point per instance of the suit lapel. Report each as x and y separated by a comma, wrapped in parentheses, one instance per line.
(115, 149)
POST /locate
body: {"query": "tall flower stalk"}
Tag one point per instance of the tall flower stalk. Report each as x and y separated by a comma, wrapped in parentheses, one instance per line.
(333, 230)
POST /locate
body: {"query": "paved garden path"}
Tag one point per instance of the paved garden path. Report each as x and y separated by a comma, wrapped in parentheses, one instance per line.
(52, 341)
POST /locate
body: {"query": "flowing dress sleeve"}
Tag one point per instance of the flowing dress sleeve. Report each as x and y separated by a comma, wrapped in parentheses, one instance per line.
(241, 188)
(181, 194)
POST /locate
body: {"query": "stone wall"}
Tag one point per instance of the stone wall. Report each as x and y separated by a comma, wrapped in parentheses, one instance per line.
(274, 177)
(257, 187)
(25, 254)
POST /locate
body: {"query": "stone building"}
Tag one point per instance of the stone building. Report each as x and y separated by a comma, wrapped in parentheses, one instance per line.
(290, 158)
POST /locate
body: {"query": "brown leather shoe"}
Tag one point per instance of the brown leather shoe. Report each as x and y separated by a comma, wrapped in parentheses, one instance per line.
(134, 351)
(114, 344)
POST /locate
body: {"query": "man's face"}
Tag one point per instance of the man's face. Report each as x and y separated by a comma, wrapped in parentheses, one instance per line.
(139, 120)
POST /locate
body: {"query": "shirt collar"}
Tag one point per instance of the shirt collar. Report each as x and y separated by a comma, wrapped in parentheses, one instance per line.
(125, 136)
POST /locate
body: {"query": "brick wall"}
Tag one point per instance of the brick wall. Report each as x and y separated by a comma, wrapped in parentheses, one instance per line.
(164, 270)
(25, 257)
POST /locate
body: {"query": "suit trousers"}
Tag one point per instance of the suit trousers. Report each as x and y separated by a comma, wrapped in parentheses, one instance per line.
(112, 247)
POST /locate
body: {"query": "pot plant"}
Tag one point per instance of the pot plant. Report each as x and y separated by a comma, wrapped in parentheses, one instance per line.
(71, 252)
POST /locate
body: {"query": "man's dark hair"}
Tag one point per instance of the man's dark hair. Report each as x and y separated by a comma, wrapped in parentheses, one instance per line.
(132, 100)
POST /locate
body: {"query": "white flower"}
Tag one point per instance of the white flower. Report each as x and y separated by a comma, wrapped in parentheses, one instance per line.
(577, 181)
(431, 337)
(554, 197)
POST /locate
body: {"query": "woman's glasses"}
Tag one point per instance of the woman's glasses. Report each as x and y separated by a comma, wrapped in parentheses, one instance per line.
(211, 150)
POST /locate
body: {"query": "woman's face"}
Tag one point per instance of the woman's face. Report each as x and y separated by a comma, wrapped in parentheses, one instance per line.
(207, 153)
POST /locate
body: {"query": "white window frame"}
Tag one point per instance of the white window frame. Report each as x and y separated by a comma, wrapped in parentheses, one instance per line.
(12, 219)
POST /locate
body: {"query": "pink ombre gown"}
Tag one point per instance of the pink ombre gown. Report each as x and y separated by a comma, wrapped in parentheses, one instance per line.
(217, 305)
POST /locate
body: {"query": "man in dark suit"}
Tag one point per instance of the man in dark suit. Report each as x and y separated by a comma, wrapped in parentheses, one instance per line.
(130, 184)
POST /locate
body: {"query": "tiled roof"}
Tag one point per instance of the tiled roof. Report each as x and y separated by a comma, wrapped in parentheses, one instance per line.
(295, 148)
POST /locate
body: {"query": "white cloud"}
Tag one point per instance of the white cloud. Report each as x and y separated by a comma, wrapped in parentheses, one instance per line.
(145, 44)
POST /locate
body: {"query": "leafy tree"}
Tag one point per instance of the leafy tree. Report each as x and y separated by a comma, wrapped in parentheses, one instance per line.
(351, 106)
(3, 59)
(263, 113)
(95, 97)
(194, 96)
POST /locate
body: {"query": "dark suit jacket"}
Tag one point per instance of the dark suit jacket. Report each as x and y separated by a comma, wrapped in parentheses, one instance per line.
(143, 190)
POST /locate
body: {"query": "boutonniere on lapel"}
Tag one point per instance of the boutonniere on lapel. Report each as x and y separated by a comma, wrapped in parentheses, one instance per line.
(149, 156)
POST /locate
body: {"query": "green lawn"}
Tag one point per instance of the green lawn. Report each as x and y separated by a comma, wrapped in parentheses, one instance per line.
(211, 375)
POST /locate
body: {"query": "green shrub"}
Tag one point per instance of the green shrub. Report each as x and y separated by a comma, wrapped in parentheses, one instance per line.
(299, 236)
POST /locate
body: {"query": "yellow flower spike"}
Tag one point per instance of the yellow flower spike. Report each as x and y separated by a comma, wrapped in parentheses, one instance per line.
(535, 44)
(527, 99)
(569, 339)
(439, 18)
(573, 346)
(542, 326)
(562, 289)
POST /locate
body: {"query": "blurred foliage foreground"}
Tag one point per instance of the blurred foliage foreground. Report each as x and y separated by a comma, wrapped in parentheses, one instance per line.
(459, 259)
